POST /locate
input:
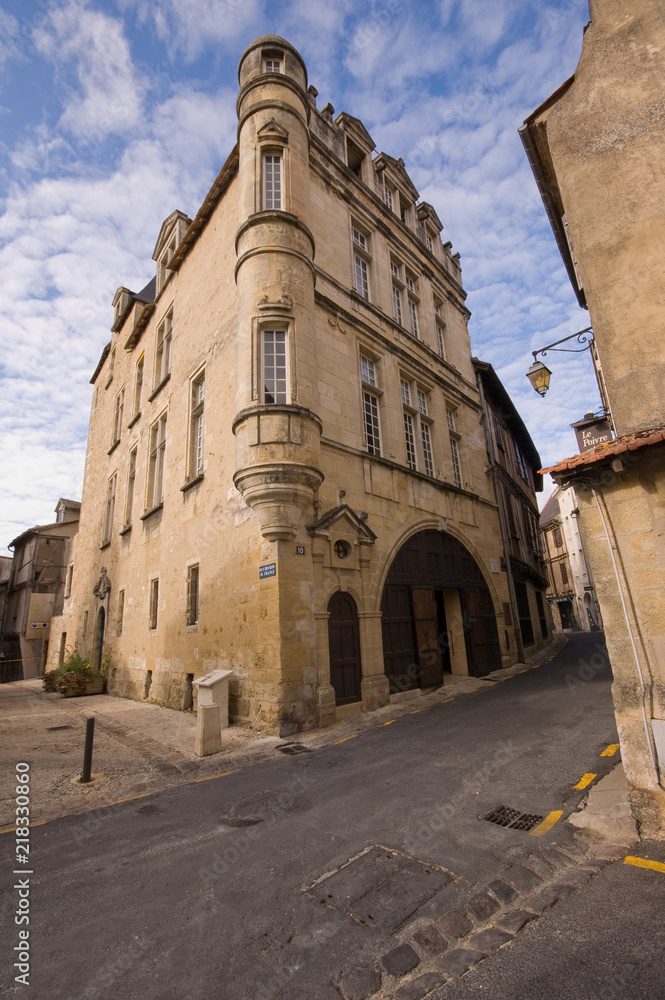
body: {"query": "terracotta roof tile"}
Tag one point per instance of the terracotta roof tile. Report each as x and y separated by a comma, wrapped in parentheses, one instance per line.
(629, 442)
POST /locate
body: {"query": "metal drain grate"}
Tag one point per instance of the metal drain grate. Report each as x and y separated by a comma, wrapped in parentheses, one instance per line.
(54, 729)
(513, 819)
(293, 749)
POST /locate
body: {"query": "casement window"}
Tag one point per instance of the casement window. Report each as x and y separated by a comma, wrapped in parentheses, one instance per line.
(370, 404)
(556, 538)
(138, 386)
(118, 407)
(163, 349)
(413, 318)
(440, 341)
(120, 614)
(564, 574)
(156, 462)
(154, 604)
(405, 390)
(454, 448)
(397, 304)
(273, 62)
(68, 580)
(428, 241)
(272, 181)
(522, 465)
(388, 197)
(274, 366)
(109, 509)
(192, 594)
(131, 484)
(410, 441)
(426, 439)
(422, 402)
(196, 426)
(361, 262)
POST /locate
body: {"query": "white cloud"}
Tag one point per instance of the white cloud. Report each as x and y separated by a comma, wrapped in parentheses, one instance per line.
(111, 92)
(189, 27)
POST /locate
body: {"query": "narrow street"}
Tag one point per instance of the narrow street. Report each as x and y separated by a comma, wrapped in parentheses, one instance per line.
(231, 887)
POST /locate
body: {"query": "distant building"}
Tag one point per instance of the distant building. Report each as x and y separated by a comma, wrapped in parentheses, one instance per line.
(287, 469)
(38, 580)
(515, 467)
(596, 147)
(571, 591)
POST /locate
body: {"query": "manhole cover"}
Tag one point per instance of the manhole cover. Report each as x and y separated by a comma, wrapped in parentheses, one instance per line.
(513, 819)
(54, 729)
(381, 887)
(293, 749)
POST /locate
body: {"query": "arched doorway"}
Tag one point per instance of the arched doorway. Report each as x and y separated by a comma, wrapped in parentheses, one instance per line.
(99, 640)
(434, 589)
(344, 647)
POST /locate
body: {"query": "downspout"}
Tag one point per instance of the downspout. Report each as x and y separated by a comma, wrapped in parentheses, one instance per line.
(647, 731)
(502, 523)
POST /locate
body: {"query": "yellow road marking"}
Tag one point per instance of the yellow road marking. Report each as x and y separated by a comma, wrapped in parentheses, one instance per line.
(355, 735)
(130, 798)
(655, 866)
(610, 750)
(585, 780)
(11, 829)
(416, 710)
(222, 775)
(547, 823)
(445, 702)
(389, 722)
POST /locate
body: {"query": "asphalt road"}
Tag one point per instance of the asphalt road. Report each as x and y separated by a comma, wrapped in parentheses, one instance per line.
(208, 890)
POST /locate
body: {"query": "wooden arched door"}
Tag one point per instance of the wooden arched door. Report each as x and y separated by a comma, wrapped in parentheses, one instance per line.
(344, 646)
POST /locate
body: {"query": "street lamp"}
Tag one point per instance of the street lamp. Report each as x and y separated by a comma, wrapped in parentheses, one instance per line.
(539, 375)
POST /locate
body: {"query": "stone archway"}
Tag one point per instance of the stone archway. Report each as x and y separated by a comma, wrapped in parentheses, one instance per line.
(437, 614)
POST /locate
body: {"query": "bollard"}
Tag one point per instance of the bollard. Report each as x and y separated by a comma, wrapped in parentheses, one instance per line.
(87, 753)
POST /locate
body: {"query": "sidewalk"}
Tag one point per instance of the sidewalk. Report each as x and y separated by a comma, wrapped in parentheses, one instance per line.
(141, 748)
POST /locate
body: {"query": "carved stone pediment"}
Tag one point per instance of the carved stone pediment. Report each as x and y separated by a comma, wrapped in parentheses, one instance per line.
(272, 131)
(358, 522)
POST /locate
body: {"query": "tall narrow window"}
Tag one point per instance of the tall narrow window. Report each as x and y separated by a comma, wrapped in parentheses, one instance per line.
(138, 386)
(405, 389)
(427, 448)
(84, 629)
(371, 419)
(422, 402)
(410, 441)
(63, 646)
(120, 616)
(361, 258)
(117, 416)
(68, 580)
(154, 603)
(156, 463)
(367, 370)
(564, 574)
(163, 350)
(397, 304)
(440, 342)
(111, 366)
(454, 449)
(274, 365)
(109, 508)
(192, 595)
(272, 182)
(196, 426)
(131, 483)
(361, 276)
(388, 197)
(413, 318)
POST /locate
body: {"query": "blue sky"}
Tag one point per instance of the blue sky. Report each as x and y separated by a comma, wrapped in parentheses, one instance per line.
(112, 114)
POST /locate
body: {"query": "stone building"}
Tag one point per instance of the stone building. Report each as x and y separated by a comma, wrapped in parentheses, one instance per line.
(570, 591)
(596, 147)
(35, 591)
(287, 471)
(515, 467)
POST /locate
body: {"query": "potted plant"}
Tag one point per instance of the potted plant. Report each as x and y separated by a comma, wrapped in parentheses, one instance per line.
(74, 677)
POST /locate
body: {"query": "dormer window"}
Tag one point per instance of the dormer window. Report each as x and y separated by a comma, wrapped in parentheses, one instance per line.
(354, 158)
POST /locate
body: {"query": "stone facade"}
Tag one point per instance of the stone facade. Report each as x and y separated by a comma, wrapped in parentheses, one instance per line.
(596, 147)
(287, 470)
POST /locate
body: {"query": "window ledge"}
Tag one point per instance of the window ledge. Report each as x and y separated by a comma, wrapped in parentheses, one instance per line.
(153, 510)
(192, 482)
(371, 388)
(113, 447)
(192, 628)
(133, 420)
(155, 392)
(105, 545)
(125, 529)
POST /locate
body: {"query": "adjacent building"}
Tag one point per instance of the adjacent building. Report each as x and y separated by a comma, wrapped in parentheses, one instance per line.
(596, 147)
(38, 580)
(570, 592)
(287, 472)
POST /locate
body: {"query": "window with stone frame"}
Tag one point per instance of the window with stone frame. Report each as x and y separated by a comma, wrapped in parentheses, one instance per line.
(138, 386)
(192, 616)
(454, 447)
(370, 405)
(156, 462)
(273, 62)
(68, 580)
(118, 406)
(120, 613)
(163, 349)
(109, 508)
(272, 181)
(154, 604)
(362, 259)
(196, 425)
(131, 485)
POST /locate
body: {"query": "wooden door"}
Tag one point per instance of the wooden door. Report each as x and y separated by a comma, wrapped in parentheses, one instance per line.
(344, 648)
(425, 616)
(482, 640)
(400, 655)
